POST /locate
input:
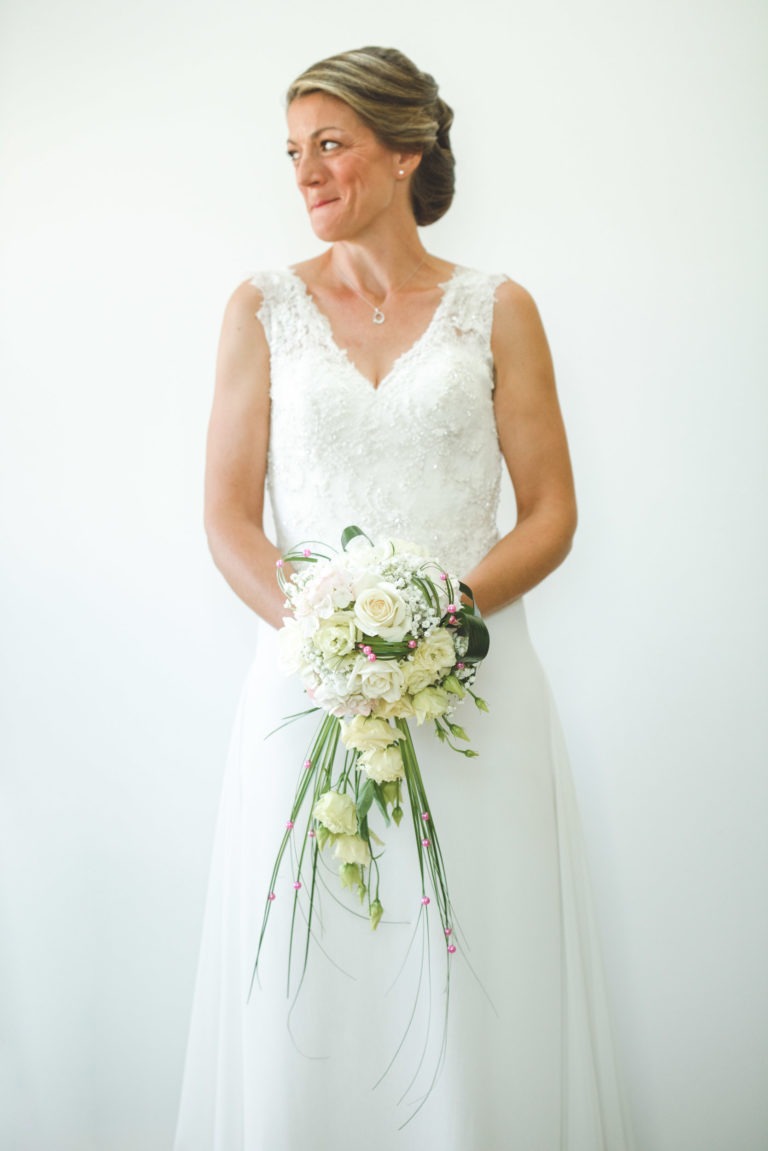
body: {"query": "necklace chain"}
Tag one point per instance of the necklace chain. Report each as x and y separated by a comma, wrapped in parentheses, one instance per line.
(378, 316)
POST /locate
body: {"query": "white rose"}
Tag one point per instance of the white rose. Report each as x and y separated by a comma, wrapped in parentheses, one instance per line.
(430, 703)
(337, 635)
(337, 812)
(383, 765)
(368, 734)
(377, 679)
(352, 849)
(434, 656)
(380, 610)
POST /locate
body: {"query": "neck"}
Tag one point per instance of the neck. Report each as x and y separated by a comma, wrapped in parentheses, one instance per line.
(373, 270)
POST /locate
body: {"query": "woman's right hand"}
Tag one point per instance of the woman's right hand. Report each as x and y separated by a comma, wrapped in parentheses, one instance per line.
(236, 467)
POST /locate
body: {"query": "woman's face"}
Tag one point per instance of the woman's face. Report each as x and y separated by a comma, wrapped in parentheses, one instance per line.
(345, 174)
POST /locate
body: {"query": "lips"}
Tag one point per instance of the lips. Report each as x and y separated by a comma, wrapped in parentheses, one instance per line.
(322, 203)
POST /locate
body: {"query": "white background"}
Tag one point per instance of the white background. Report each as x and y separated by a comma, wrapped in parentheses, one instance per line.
(612, 158)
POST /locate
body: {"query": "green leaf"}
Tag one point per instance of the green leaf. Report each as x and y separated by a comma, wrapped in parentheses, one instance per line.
(350, 534)
(365, 799)
(381, 799)
(476, 632)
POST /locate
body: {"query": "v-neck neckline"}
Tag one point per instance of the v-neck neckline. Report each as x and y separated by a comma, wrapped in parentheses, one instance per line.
(343, 352)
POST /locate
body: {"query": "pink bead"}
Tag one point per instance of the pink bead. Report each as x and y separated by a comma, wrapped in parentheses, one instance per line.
(297, 885)
(426, 843)
(278, 563)
(367, 649)
(451, 948)
(311, 833)
(371, 657)
(451, 619)
(425, 900)
(449, 931)
(307, 552)
(289, 825)
(443, 575)
(271, 896)
(451, 607)
(412, 644)
(425, 815)
(459, 666)
(307, 764)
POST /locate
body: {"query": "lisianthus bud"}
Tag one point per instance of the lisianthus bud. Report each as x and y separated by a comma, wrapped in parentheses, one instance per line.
(376, 913)
(397, 814)
(459, 732)
(454, 685)
(481, 704)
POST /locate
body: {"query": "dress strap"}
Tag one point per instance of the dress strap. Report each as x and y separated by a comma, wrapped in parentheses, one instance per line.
(284, 314)
(471, 296)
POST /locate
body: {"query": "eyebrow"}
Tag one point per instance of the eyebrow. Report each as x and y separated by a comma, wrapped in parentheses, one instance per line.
(318, 131)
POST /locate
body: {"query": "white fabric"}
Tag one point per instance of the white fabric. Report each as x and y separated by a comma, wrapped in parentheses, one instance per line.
(529, 1062)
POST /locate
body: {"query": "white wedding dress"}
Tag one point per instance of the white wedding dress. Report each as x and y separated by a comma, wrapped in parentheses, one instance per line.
(528, 1064)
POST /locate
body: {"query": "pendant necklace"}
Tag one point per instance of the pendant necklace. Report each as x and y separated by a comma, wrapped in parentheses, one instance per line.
(378, 316)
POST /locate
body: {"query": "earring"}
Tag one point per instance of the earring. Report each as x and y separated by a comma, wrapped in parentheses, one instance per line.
(401, 172)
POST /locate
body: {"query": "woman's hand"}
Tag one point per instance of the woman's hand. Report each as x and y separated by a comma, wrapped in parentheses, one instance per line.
(238, 438)
(533, 442)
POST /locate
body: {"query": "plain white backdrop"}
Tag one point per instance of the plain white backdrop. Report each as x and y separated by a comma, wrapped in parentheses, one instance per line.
(612, 158)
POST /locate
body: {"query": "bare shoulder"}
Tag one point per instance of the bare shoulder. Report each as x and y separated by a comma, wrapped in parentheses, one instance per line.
(518, 333)
(518, 341)
(244, 303)
(243, 356)
(515, 307)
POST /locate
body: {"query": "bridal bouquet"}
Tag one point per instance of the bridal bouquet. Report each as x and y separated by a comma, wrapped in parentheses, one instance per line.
(381, 635)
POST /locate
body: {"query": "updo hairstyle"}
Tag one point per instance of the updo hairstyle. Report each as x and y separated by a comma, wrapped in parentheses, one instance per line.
(401, 106)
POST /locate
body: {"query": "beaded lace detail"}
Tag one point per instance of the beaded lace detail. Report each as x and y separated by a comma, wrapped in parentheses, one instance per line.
(416, 458)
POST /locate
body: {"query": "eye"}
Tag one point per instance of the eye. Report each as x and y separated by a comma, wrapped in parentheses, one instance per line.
(329, 145)
(293, 154)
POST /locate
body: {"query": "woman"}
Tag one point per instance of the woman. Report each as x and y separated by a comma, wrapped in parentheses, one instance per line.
(380, 385)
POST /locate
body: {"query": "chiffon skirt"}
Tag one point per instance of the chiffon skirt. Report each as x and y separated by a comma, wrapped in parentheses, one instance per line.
(523, 1055)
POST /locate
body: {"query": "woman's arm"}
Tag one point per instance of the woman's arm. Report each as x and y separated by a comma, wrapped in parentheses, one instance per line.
(533, 442)
(238, 439)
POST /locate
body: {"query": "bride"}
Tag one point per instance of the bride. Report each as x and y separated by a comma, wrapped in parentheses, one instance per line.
(380, 385)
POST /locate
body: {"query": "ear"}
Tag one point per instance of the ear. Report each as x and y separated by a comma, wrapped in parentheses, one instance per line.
(406, 164)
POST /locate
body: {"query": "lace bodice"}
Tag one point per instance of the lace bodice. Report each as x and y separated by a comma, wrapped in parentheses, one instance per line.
(416, 458)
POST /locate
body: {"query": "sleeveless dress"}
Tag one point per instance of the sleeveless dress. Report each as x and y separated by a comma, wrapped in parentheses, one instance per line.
(527, 1060)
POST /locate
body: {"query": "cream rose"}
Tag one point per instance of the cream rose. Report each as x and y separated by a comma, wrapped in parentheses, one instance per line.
(384, 765)
(380, 610)
(338, 813)
(352, 849)
(401, 708)
(377, 679)
(430, 703)
(434, 656)
(368, 734)
(337, 635)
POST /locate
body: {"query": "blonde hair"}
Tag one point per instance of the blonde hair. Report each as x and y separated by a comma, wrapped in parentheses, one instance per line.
(401, 106)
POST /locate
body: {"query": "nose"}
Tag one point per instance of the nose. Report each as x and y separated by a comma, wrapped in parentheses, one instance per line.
(307, 169)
